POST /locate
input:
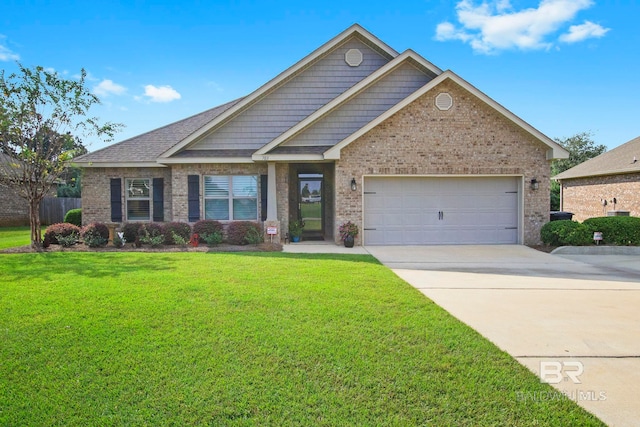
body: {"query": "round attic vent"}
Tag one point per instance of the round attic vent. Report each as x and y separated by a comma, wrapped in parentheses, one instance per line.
(444, 101)
(353, 57)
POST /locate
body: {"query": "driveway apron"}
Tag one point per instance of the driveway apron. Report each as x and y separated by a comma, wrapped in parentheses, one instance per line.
(574, 324)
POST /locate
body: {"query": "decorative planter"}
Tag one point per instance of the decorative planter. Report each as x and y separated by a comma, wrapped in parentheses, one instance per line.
(295, 239)
(348, 241)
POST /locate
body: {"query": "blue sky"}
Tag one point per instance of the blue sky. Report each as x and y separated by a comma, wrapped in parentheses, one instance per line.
(564, 66)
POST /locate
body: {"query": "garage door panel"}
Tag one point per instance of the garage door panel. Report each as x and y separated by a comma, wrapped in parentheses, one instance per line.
(417, 210)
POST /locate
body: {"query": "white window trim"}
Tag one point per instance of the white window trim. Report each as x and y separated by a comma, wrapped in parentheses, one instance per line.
(231, 197)
(128, 198)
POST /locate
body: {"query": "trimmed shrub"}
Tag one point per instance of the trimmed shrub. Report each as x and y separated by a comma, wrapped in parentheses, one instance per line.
(180, 229)
(95, 234)
(254, 236)
(211, 239)
(242, 232)
(207, 227)
(74, 216)
(130, 230)
(68, 241)
(616, 230)
(151, 233)
(566, 233)
(63, 229)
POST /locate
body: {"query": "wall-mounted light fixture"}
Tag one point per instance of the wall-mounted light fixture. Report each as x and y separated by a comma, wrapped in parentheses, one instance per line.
(354, 187)
(535, 184)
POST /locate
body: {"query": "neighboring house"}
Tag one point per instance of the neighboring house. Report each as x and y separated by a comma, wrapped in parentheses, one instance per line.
(356, 132)
(14, 210)
(605, 184)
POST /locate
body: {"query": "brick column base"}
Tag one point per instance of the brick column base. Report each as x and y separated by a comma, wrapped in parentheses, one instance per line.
(275, 238)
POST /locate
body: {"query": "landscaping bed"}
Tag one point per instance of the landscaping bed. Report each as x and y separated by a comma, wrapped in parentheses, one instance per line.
(79, 247)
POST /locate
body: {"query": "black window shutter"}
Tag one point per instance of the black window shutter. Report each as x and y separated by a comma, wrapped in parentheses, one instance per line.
(158, 199)
(116, 200)
(193, 182)
(263, 196)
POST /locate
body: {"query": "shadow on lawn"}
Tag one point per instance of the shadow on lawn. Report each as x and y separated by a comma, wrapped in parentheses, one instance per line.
(304, 256)
(93, 265)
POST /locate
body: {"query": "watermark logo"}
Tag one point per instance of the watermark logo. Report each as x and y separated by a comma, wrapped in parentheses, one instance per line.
(556, 372)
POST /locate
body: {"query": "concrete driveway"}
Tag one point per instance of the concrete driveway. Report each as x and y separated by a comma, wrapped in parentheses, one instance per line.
(576, 324)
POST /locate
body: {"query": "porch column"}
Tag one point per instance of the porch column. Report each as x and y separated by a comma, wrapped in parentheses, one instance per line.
(272, 230)
(272, 201)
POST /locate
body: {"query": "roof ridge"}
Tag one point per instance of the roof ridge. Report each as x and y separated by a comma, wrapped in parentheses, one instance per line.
(409, 56)
(257, 94)
(611, 162)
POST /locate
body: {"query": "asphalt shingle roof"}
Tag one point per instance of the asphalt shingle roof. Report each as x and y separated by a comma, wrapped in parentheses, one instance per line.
(148, 146)
(622, 159)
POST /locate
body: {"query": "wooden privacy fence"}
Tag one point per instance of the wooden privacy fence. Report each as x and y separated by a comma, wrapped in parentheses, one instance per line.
(53, 209)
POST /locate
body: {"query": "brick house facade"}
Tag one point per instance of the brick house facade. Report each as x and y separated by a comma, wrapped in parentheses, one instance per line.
(394, 119)
(590, 189)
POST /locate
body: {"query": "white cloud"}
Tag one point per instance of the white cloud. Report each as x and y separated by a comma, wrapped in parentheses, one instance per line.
(161, 93)
(107, 87)
(7, 54)
(494, 26)
(578, 33)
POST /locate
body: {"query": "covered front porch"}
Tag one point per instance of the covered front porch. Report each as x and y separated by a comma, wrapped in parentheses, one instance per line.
(301, 192)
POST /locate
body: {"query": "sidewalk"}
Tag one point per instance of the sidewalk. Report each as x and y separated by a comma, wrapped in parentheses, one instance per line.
(322, 247)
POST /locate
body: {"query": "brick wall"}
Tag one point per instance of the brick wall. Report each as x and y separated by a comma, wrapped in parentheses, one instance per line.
(96, 190)
(468, 139)
(583, 196)
(14, 210)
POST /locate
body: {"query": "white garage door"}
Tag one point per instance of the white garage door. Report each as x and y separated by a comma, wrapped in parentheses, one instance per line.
(431, 211)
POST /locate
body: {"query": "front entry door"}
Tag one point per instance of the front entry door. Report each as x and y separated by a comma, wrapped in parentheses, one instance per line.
(311, 204)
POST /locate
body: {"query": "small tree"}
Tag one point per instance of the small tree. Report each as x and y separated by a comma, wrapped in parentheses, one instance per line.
(41, 115)
(581, 148)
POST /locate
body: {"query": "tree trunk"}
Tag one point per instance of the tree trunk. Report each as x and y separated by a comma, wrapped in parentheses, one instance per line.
(34, 220)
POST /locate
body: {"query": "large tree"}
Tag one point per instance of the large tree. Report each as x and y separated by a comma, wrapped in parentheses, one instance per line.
(42, 115)
(581, 148)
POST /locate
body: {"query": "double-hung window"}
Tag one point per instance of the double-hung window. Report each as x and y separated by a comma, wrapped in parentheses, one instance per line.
(138, 199)
(231, 197)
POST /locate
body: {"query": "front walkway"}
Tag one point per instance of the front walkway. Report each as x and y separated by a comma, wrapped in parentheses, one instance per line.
(322, 247)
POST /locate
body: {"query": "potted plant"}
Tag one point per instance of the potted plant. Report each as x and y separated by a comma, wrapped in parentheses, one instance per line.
(348, 232)
(295, 230)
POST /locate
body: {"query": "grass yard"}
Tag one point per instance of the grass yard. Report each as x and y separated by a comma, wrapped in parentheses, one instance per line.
(246, 339)
(15, 236)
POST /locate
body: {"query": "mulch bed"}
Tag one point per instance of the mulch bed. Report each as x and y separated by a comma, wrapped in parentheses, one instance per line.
(263, 247)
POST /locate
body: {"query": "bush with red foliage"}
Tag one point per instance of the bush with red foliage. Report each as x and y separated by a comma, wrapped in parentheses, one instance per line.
(60, 229)
(207, 227)
(95, 234)
(181, 229)
(243, 233)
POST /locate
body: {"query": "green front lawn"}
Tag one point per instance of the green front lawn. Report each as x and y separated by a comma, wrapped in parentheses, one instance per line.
(11, 237)
(246, 339)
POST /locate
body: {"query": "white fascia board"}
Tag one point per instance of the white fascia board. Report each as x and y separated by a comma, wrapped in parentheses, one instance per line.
(557, 153)
(205, 160)
(288, 73)
(117, 164)
(350, 93)
(555, 150)
(288, 157)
